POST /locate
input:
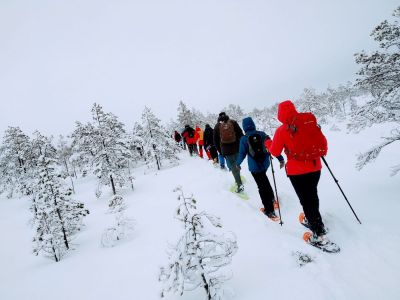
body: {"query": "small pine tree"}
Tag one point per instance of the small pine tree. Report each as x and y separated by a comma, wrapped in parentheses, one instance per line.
(185, 116)
(64, 155)
(123, 226)
(15, 162)
(57, 217)
(158, 144)
(199, 257)
(105, 147)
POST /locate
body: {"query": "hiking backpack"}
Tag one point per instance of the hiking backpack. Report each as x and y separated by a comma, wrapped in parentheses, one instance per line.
(256, 147)
(309, 142)
(191, 133)
(227, 132)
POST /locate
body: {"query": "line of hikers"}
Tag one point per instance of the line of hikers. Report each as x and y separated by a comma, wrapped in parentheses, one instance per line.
(299, 137)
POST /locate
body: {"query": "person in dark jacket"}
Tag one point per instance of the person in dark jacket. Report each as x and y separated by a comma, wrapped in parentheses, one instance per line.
(209, 144)
(227, 134)
(258, 165)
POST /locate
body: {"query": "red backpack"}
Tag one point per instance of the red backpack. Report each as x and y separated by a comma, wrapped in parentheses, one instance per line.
(308, 141)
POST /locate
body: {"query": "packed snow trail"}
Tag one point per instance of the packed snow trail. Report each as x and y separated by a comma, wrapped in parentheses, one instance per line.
(267, 261)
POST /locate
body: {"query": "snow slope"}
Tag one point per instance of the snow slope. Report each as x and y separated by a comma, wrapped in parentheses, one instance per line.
(368, 266)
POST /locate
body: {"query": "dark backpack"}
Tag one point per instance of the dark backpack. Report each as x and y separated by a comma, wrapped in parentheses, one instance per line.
(309, 142)
(227, 132)
(191, 132)
(256, 147)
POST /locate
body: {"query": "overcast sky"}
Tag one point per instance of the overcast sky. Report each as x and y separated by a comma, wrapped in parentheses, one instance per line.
(59, 57)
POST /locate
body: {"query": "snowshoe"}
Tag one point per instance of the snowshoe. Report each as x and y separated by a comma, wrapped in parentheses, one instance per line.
(239, 191)
(321, 242)
(303, 221)
(272, 216)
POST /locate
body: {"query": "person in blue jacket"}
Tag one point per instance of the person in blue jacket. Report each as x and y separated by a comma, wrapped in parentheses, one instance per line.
(252, 146)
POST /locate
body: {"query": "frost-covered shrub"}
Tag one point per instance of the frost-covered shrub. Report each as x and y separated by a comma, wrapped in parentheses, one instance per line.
(199, 257)
(123, 226)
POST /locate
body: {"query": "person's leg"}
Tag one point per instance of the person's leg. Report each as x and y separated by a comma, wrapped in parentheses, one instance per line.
(305, 186)
(265, 191)
(221, 159)
(208, 154)
(201, 150)
(190, 148)
(234, 168)
(195, 150)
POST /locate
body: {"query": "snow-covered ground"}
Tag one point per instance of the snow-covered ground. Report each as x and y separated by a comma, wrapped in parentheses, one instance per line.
(368, 266)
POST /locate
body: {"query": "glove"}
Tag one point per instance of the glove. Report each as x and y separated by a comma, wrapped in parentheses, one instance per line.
(281, 164)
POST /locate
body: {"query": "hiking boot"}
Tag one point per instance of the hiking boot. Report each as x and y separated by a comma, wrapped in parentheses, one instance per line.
(318, 239)
(273, 216)
(270, 215)
(239, 188)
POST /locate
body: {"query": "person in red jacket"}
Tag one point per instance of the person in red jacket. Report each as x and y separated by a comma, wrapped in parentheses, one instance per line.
(191, 137)
(303, 174)
(200, 134)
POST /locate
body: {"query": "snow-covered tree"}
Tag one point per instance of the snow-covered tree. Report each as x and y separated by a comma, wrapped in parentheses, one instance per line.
(158, 144)
(235, 112)
(104, 145)
(311, 101)
(265, 119)
(15, 162)
(57, 216)
(380, 74)
(199, 258)
(123, 226)
(211, 119)
(185, 116)
(137, 142)
(64, 155)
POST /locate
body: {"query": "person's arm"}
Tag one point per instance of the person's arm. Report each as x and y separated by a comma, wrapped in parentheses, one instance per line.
(238, 130)
(275, 146)
(217, 139)
(279, 157)
(243, 150)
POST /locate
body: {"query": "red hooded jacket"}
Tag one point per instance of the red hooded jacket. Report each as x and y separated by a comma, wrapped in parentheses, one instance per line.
(190, 140)
(282, 141)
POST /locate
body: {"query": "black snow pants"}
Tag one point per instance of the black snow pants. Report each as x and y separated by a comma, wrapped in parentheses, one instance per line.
(265, 190)
(305, 186)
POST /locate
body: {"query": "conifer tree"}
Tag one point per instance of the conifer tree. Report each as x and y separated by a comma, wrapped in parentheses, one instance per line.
(235, 112)
(380, 74)
(15, 156)
(64, 155)
(158, 144)
(104, 145)
(199, 258)
(57, 217)
(123, 226)
(185, 116)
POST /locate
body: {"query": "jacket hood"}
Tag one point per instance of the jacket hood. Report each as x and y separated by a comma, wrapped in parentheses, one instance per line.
(248, 124)
(286, 111)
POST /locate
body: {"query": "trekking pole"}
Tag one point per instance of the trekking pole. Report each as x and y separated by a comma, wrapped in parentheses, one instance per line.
(276, 191)
(337, 182)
